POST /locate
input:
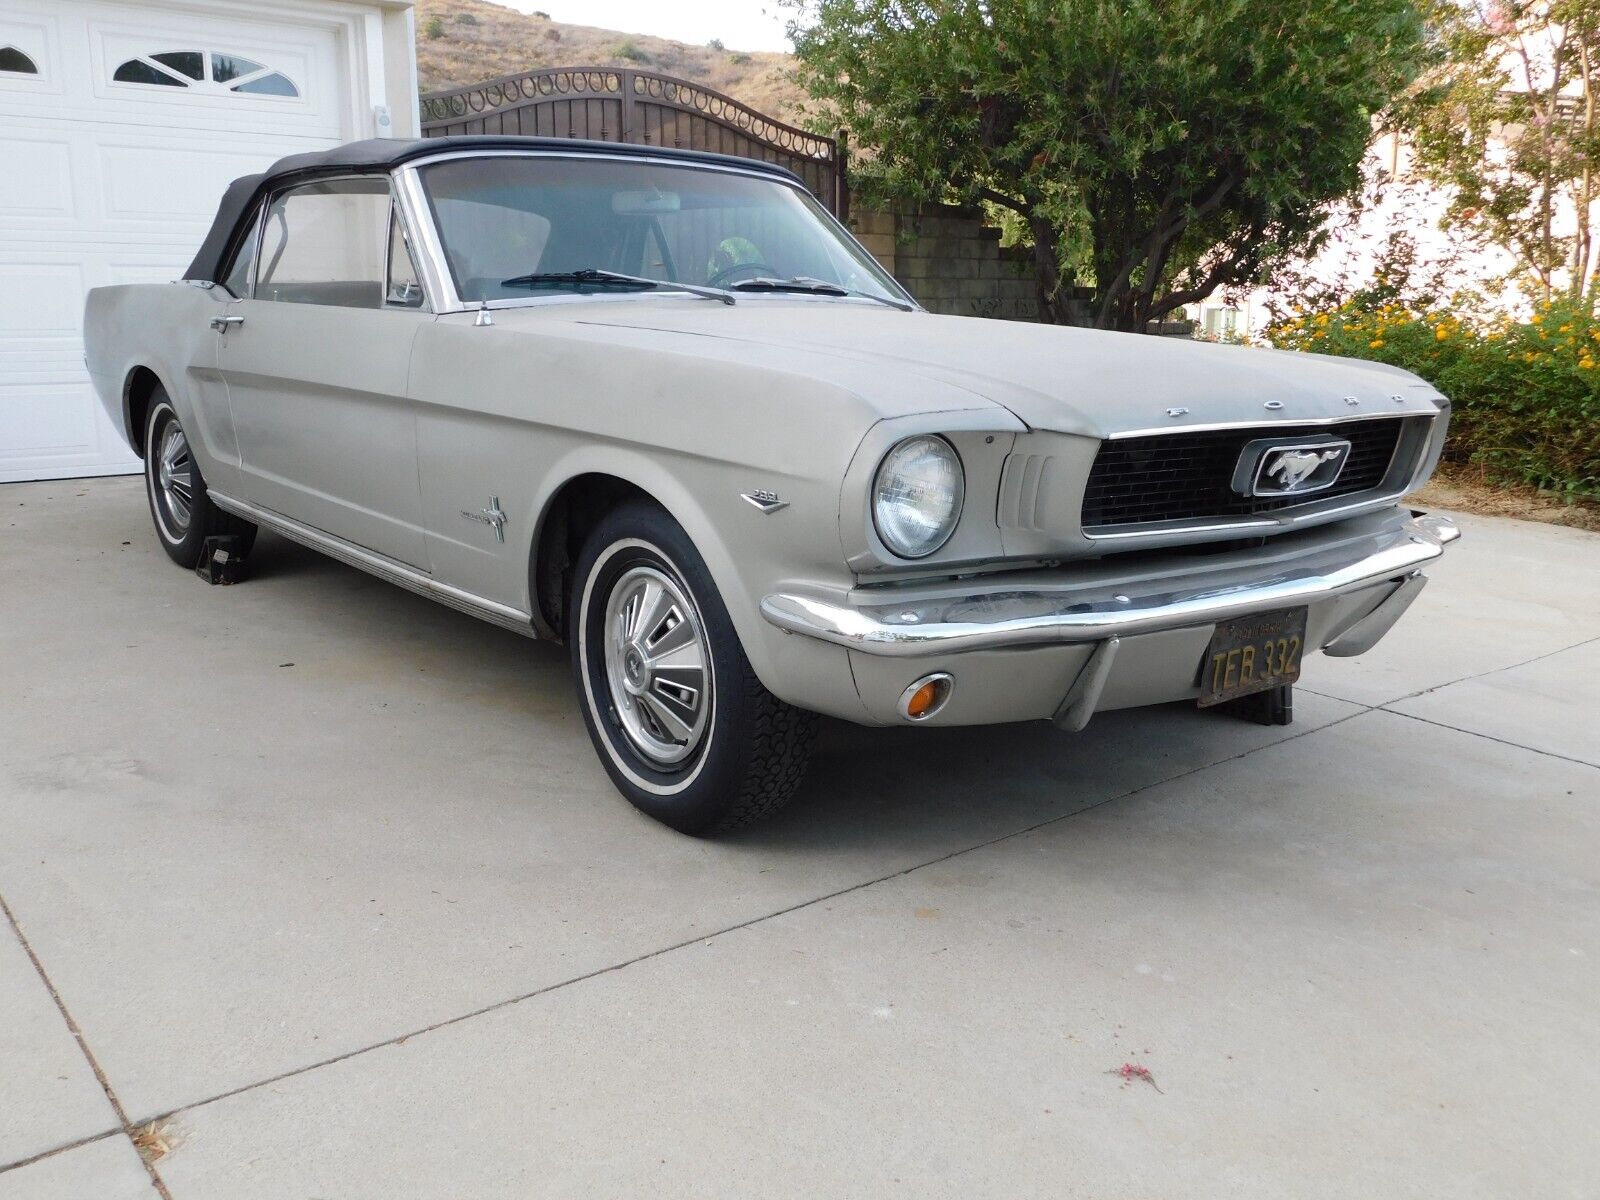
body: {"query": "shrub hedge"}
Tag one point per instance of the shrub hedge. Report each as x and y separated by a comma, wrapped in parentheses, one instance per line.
(1525, 395)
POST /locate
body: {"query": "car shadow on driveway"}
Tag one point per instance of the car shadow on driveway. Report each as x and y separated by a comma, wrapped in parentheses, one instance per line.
(928, 789)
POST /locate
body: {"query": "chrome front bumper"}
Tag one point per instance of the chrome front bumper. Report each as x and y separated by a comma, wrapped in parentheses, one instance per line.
(1121, 632)
(939, 623)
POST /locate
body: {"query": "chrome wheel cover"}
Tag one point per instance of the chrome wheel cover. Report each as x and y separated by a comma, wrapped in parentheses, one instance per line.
(657, 666)
(174, 471)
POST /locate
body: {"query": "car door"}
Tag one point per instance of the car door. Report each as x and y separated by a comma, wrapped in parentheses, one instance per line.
(316, 359)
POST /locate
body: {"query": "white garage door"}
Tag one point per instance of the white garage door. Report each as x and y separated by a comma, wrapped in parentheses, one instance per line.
(120, 125)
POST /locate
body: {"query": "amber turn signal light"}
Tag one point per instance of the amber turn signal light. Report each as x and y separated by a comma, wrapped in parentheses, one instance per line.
(926, 696)
(922, 700)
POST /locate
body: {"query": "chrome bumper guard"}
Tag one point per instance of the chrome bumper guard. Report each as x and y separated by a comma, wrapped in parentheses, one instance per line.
(1101, 611)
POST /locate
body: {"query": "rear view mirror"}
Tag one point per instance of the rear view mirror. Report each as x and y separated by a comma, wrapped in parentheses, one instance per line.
(645, 204)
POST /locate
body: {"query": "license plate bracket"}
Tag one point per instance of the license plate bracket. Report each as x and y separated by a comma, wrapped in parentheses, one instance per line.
(1251, 654)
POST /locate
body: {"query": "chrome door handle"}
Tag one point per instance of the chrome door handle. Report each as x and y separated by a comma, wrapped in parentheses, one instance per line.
(220, 324)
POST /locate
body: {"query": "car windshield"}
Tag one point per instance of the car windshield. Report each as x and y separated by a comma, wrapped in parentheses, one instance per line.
(515, 226)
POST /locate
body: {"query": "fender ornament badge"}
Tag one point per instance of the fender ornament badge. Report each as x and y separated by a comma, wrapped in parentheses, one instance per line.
(492, 516)
(767, 502)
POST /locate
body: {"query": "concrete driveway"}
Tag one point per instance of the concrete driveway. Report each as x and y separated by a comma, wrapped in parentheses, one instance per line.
(325, 882)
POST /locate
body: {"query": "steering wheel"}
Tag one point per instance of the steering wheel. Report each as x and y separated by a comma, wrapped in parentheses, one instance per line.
(756, 269)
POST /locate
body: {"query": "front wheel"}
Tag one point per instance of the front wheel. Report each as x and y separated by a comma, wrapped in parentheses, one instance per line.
(180, 505)
(683, 726)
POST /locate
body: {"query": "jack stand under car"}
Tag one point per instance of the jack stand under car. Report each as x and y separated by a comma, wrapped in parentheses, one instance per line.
(1274, 706)
(221, 561)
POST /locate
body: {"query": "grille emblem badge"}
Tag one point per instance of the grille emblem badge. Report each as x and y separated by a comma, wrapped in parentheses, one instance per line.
(1294, 467)
(1268, 468)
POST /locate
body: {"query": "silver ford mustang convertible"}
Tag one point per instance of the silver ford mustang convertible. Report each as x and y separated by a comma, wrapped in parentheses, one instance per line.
(661, 406)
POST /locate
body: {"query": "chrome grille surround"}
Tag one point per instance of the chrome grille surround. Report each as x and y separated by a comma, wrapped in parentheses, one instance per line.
(1166, 482)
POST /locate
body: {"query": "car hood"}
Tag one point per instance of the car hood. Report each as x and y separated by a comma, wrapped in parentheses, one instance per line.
(1053, 377)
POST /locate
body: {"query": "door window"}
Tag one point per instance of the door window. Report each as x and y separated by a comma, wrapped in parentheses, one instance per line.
(237, 280)
(405, 285)
(325, 243)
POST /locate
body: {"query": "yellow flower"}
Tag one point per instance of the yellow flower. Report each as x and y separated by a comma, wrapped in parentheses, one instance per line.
(1440, 334)
(1586, 363)
(1537, 319)
(1565, 329)
(1375, 344)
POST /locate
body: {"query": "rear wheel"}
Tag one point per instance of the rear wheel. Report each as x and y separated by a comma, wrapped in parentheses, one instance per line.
(681, 723)
(180, 505)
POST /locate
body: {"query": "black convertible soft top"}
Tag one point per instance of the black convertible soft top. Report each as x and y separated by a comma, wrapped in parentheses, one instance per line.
(380, 154)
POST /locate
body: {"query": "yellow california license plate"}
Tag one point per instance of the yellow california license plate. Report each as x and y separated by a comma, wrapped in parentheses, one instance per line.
(1252, 654)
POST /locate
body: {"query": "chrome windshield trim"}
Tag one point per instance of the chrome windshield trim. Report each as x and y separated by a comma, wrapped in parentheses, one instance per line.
(667, 291)
(436, 278)
(1001, 618)
(655, 159)
(441, 283)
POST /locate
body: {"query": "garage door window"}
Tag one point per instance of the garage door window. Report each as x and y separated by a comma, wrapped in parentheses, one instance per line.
(324, 243)
(207, 71)
(15, 62)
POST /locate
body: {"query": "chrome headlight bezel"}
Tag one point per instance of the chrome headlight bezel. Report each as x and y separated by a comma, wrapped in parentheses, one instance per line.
(916, 461)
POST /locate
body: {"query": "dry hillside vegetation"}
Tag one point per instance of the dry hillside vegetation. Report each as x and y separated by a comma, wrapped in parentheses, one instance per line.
(467, 41)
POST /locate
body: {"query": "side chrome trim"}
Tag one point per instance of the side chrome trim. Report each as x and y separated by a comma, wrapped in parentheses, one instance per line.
(1003, 617)
(384, 568)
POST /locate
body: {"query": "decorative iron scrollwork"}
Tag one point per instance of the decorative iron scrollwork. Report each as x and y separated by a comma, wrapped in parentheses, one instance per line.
(469, 109)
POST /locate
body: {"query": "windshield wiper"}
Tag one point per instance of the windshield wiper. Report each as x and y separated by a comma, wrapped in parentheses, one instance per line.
(591, 277)
(815, 287)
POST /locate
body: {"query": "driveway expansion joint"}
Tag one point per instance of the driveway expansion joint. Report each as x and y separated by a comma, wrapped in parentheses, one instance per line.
(94, 1064)
(1489, 737)
(1383, 705)
(706, 938)
(61, 1149)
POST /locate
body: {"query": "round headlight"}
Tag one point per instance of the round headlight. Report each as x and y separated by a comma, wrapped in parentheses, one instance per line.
(917, 495)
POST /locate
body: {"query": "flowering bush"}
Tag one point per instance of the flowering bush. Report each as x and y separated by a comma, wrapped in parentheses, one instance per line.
(1525, 395)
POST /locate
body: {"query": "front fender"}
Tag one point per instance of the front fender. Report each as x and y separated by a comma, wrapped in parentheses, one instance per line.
(747, 551)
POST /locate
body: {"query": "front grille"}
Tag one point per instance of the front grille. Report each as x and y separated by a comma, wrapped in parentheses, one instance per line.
(1189, 476)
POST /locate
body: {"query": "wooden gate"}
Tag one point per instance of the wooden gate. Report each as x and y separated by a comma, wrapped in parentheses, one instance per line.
(642, 107)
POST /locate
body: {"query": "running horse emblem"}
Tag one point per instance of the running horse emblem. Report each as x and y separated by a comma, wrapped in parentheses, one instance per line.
(1294, 467)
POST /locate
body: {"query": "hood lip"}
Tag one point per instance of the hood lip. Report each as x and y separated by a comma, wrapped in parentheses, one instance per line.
(1270, 422)
(1054, 412)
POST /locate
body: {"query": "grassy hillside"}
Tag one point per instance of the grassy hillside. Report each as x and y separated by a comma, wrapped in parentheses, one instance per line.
(474, 40)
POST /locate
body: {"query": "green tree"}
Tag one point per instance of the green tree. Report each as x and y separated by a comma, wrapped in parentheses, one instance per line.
(435, 28)
(1508, 123)
(1175, 147)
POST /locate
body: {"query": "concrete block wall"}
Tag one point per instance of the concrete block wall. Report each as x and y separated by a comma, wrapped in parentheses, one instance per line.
(951, 261)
